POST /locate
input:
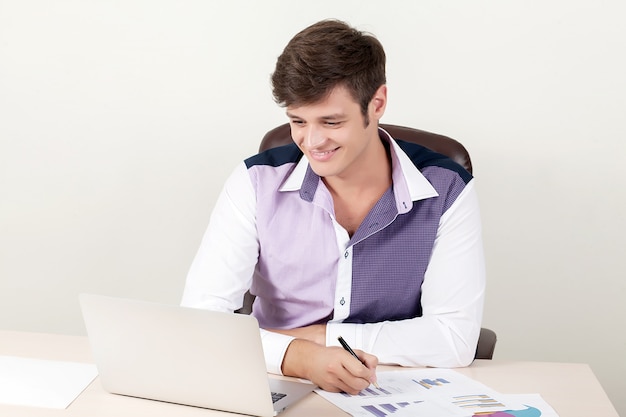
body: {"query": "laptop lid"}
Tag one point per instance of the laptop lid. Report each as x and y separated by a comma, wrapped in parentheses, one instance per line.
(181, 355)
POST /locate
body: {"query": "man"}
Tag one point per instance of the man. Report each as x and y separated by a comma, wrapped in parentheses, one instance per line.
(343, 233)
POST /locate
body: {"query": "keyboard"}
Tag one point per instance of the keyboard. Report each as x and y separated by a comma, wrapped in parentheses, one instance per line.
(277, 396)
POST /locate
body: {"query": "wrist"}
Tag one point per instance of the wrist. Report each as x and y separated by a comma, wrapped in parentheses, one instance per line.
(297, 358)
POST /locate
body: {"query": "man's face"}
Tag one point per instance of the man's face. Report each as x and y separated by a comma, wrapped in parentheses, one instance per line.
(332, 134)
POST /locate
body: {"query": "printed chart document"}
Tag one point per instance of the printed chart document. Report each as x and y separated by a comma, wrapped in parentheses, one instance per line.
(43, 383)
(434, 393)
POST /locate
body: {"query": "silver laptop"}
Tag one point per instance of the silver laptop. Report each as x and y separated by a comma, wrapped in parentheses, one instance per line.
(183, 355)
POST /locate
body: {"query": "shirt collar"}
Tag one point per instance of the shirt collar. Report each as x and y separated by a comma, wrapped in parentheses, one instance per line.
(409, 184)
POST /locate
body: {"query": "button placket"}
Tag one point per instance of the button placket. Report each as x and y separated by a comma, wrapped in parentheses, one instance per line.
(344, 286)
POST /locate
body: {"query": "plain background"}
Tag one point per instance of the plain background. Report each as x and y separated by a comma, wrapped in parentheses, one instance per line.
(120, 120)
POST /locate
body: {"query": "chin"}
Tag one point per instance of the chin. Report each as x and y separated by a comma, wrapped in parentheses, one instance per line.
(323, 171)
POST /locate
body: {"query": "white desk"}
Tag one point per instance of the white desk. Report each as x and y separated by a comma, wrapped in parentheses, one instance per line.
(571, 389)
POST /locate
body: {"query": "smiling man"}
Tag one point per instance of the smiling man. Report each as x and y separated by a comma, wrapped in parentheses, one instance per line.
(346, 232)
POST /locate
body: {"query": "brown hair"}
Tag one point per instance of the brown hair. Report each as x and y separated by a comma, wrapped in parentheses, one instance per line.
(324, 55)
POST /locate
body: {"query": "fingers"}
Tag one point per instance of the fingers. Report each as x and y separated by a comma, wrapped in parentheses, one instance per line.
(343, 372)
(352, 376)
(363, 369)
(331, 368)
(370, 361)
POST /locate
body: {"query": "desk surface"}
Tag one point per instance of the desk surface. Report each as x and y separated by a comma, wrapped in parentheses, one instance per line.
(570, 388)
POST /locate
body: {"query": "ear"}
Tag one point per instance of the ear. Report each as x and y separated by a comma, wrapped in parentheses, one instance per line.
(378, 103)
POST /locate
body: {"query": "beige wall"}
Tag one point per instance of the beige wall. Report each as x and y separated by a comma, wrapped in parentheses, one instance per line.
(120, 120)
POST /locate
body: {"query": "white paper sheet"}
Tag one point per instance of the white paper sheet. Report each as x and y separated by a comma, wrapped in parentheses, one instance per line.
(434, 393)
(42, 383)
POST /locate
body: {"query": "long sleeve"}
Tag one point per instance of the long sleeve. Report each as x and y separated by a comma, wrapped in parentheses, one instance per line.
(223, 267)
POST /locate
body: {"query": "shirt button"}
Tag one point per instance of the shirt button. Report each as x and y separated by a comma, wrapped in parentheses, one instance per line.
(345, 255)
(342, 301)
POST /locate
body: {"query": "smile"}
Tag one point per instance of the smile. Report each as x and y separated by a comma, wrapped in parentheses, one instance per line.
(322, 155)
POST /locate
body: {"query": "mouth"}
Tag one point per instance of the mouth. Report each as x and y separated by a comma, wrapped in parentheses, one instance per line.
(319, 155)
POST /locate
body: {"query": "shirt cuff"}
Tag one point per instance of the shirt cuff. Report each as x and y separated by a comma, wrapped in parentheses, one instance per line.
(352, 333)
(274, 348)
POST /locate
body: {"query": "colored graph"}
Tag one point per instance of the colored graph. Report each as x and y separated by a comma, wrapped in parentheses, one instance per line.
(382, 410)
(480, 401)
(431, 383)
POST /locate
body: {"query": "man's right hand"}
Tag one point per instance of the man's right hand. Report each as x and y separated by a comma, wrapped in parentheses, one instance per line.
(331, 368)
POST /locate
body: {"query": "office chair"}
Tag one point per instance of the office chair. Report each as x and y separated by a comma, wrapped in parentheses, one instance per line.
(449, 147)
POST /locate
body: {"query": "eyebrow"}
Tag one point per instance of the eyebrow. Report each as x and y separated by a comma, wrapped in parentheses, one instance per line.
(334, 116)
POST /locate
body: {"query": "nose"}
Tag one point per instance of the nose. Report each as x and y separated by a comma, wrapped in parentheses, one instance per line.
(313, 137)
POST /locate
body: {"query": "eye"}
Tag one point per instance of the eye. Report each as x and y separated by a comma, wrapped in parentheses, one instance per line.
(297, 122)
(332, 124)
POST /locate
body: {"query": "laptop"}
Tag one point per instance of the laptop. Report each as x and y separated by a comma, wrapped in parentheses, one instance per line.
(184, 355)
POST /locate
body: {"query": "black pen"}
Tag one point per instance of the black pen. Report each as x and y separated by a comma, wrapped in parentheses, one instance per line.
(347, 347)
